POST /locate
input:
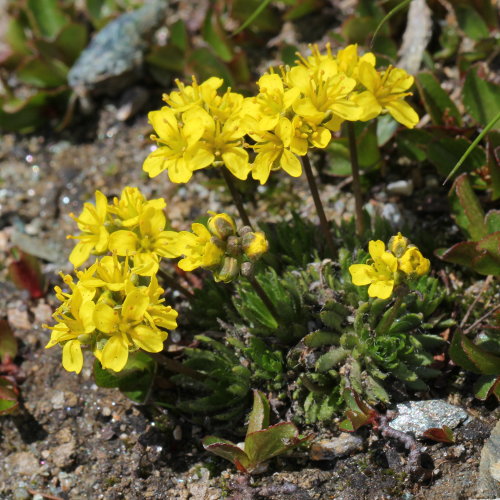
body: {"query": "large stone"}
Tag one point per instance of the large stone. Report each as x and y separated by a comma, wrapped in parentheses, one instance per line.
(489, 468)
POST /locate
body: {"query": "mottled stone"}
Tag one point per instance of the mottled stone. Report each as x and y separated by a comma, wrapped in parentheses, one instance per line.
(418, 416)
(341, 446)
(23, 463)
(489, 467)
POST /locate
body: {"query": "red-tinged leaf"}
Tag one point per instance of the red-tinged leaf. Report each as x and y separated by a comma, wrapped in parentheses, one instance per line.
(346, 426)
(228, 450)
(8, 396)
(357, 419)
(491, 244)
(25, 272)
(259, 417)
(466, 354)
(487, 385)
(442, 435)
(467, 253)
(8, 343)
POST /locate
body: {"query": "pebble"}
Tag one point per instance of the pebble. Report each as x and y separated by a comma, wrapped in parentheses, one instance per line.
(418, 416)
(489, 467)
(23, 463)
(341, 446)
(404, 188)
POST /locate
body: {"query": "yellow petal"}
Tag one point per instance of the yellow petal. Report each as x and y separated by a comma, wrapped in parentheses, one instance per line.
(179, 171)
(156, 162)
(115, 354)
(72, 357)
(80, 253)
(402, 112)
(123, 242)
(147, 339)
(290, 164)
(376, 249)
(106, 318)
(135, 305)
(361, 274)
(164, 122)
(236, 160)
(381, 289)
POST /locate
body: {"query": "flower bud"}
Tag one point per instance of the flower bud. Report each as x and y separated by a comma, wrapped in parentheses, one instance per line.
(398, 245)
(244, 230)
(233, 247)
(247, 269)
(254, 244)
(413, 263)
(229, 270)
(222, 226)
(212, 255)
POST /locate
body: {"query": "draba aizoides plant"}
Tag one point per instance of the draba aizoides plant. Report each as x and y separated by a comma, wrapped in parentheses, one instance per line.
(302, 323)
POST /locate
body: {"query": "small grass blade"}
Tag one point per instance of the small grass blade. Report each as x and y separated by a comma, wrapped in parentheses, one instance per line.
(253, 16)
(393, 11)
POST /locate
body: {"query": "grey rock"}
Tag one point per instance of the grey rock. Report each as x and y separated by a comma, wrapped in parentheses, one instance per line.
(489, 467)
(115, 54)
(400, 187)
(23, 463)
(341, 446)
(418, 416)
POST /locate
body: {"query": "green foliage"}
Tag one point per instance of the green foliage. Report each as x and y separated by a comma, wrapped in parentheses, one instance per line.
(135, 380)
(262, 441)
(9, 392)
(482, 250)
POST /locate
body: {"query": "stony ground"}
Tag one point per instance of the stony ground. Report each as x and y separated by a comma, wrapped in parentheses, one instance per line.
(73, 440)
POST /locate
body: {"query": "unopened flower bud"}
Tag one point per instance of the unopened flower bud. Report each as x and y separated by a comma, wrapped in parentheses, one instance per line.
(254, 244)
(222, 226)
(244, 230)
(233, 247)
(247, 269)
(398, 245)
(229, 270)
(212, 255)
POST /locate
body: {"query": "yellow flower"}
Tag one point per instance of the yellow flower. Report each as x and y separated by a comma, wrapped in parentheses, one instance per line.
(198, 249)
(75, 324)
(273, 152)
(386, 92)
(148, 244)
(94, 236)
(348, 60)
(131, 205)
(413, 263)
(398, 244)
(254, 244)
(190, 96)
(179, 150)
(380, 274)
(127, 327)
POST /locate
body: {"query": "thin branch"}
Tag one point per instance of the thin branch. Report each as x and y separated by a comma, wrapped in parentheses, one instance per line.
(236, 197)
(356, 183)
(481, 319)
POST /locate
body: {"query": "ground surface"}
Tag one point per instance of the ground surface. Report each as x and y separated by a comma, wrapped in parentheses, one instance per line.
(72, 440)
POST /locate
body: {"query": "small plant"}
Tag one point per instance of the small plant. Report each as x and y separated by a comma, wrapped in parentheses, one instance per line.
(262, 441)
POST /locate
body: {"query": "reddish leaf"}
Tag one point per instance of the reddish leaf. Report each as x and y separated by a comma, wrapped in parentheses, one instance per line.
(8, 396)
(442, 435)
(8, 343)
(25, 272)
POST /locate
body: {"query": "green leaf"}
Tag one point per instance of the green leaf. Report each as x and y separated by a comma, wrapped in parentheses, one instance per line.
(228, 450)
(405, 324)
(262, 445)
(259, 417)
(16, 38)
(436, 101)
(492, 221)
(72, 39)
(214, 35)
(8, 342)
(471, 22)
(135, 380)
(446, 152)
(468, 254)
(331, 359)
(468, 212)
(42, 73)
(8, 396)
(178, 35)
(48, 16)
(386, 128)
(205, 64)
(487, 385)
(481, 98)
(398, 7)
(466, 354)
(320, 338)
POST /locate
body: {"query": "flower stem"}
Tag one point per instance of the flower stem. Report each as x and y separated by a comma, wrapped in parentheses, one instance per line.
(264, 297)
(236, 197)
(176, 367)
(170, 282)
(356, 185)
(317, 202)
(388, 320)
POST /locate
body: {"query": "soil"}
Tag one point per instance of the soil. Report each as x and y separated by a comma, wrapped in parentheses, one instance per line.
(72, 440)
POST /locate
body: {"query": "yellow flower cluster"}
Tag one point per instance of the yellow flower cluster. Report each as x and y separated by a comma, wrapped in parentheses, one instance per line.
(220, 248)
(388, 268)
(109, 311)
(130, 226)
(294, 111)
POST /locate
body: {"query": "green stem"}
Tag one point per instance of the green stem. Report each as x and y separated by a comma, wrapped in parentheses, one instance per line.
(264, 297)
(356, 184)
(170, 282)
(313, 187)
(236, 196)
(388, 320)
